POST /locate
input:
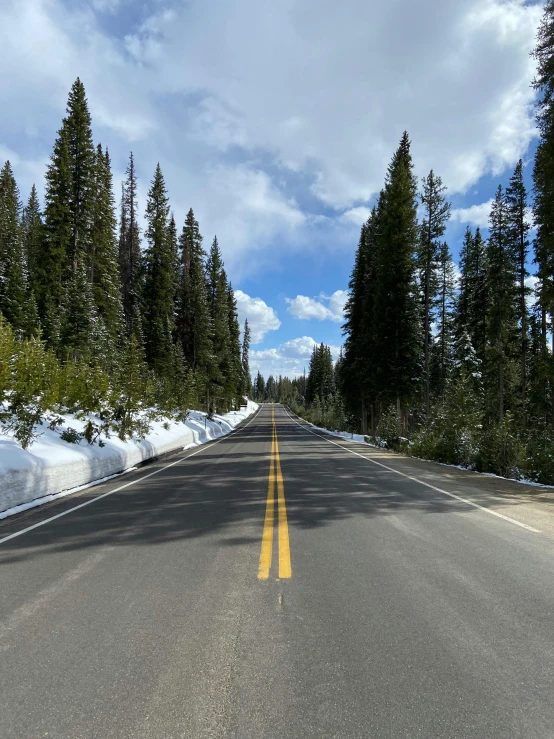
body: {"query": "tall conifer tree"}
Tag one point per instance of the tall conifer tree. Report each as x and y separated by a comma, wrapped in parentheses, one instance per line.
(15, 295)
(130, 254)
(159, 281)
(81, 161)
(398, 335)
(502, 309)
(436, 214)
(358, 369)
(103, 256)
(543, 176)
(218, 303)
(518, 231)
(471, 304)
(193, 319)
(247, 379)
(443, 350)
(53, 264)
(234, 380)
(33, 237)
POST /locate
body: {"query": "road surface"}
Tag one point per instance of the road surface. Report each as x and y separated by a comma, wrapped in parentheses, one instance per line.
(280, 584)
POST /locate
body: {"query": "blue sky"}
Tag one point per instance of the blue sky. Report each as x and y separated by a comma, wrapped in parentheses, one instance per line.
(275, 122)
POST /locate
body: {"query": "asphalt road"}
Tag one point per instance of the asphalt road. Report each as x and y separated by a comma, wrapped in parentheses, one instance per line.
(385, 608)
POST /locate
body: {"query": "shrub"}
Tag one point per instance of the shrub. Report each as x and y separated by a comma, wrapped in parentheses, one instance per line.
(501, 451)
(540, 455)
(389, 430)
(35, 375)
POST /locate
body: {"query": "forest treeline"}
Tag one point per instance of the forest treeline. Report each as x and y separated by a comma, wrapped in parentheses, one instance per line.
(455, 368)
(99, 319)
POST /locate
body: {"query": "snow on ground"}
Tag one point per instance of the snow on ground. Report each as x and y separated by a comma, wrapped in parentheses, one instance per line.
(52, 467)
(358, 438)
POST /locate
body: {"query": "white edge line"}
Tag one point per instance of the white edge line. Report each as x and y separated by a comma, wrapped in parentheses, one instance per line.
(421, 482)
(211, 443)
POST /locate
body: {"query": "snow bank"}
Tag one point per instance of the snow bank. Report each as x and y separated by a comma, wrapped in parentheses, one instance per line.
(52, 467)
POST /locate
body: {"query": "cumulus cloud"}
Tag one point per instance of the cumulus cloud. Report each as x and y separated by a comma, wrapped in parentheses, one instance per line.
(466, 104)
(261, 317)
(291, 358)
(253, 107)
(358, 216)
(475, 215)
(478, 215)
(329, 308)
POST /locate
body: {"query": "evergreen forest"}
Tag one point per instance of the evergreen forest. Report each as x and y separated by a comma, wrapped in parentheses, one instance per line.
(457, 368)
(100, 319)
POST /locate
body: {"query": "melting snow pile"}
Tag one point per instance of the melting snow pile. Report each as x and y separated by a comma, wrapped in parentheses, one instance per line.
(52, 467)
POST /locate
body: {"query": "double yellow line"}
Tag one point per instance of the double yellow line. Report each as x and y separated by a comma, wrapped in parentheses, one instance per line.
(275, 480)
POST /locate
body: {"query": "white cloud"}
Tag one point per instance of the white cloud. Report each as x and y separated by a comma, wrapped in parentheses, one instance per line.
(472, 92)
(258, 88)
(476, 215)
(358, 216)
(304, 307)
(532, 283)
(261, 317)
(290, 359)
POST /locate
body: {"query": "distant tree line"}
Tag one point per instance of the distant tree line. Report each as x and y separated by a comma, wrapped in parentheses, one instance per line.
(96, 316)
(314, 395)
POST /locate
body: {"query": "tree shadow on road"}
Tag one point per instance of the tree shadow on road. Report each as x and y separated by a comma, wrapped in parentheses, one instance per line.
(222, 488)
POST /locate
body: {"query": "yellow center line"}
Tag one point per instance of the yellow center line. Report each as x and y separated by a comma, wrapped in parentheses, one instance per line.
(267, 537)
(275, 479)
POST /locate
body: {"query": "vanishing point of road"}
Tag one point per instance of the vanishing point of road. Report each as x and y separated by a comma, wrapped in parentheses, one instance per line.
(279, 583)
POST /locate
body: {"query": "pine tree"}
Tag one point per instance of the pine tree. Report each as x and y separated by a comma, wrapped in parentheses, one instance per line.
(53, 264)
(321, 377)
(159, 280)
(102, 260)
(502, 309)
(443, 348)
(543, 176)
(216, 281)
(80, 146)
(79, 332)
(259, 387)
(16, 300)
(193, 317)
(471, 305)
(436, 214)
(247, 379)
(33, 236)
(518, 232)
(173, 259)
(539, 400)
(398, 335)
(10, 214)
(130, 254)
(235, 378)
(358, 370)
